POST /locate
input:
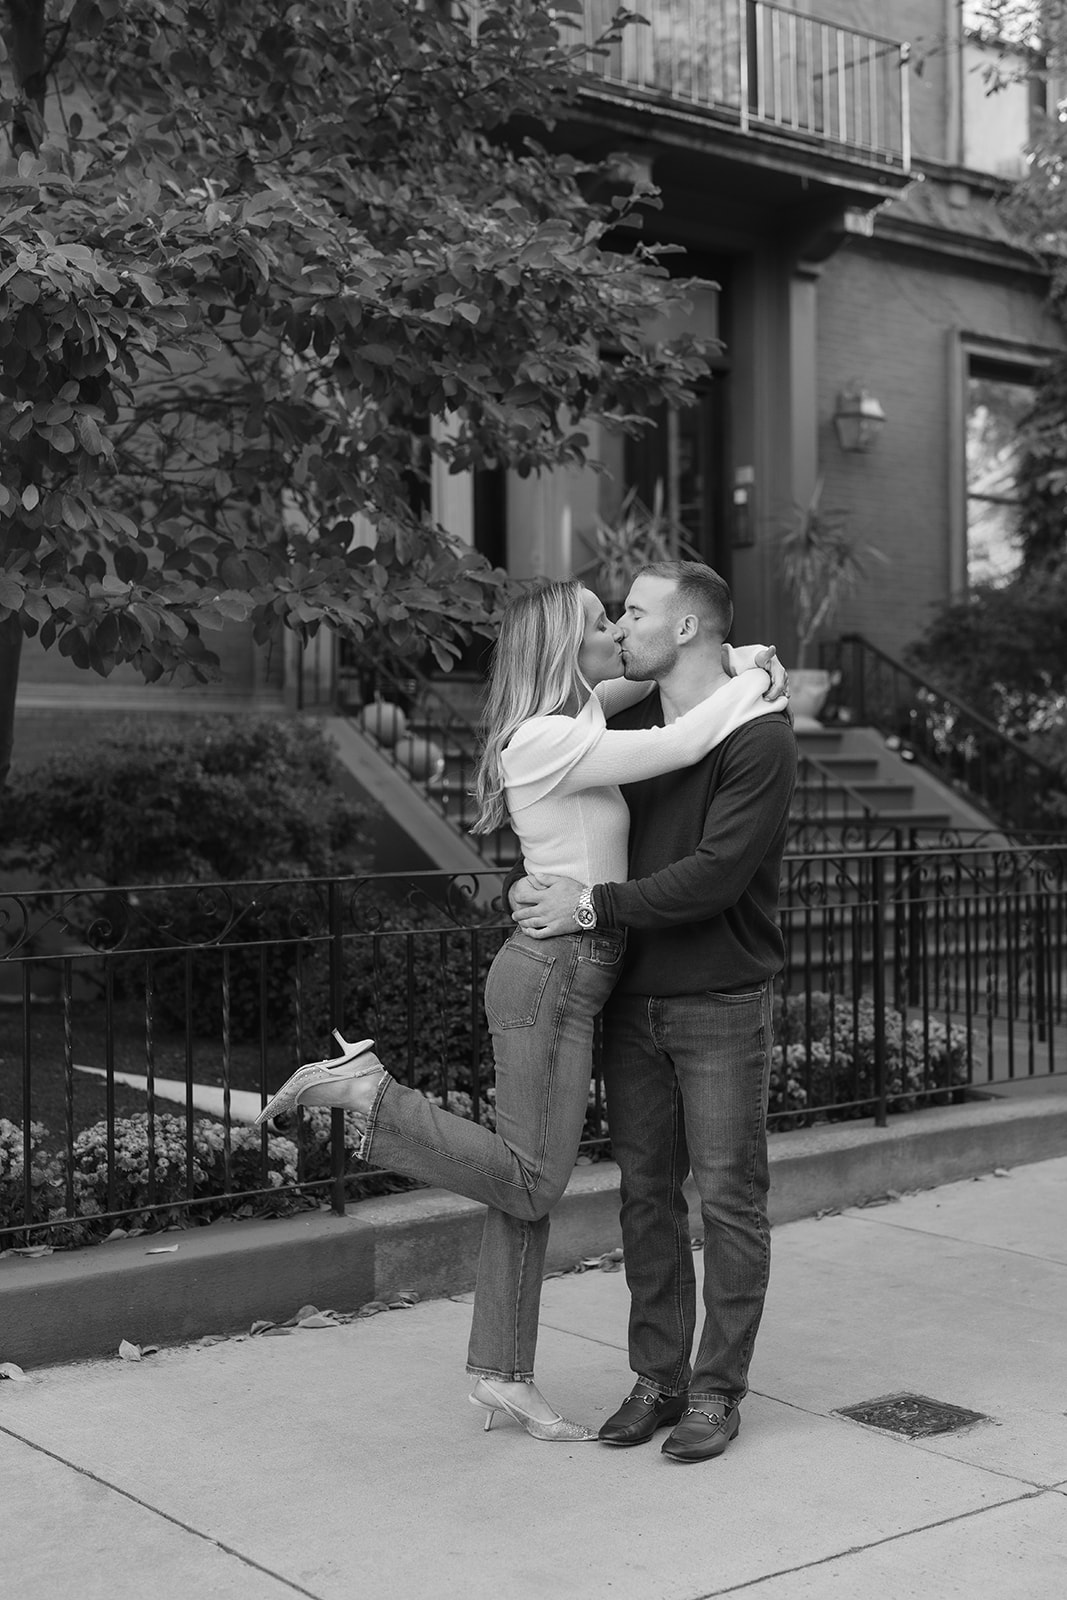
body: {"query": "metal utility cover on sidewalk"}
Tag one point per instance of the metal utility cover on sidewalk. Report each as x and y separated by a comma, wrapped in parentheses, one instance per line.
(913, 1415)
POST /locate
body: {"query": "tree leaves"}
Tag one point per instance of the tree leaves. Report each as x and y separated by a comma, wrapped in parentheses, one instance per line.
(239, 281)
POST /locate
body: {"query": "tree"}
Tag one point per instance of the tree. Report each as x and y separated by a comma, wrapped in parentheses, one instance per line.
(249, 254)
(1019, 39)
(1002, 648)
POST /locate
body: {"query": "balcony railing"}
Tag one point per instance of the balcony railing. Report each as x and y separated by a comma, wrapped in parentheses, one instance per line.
(765, 67)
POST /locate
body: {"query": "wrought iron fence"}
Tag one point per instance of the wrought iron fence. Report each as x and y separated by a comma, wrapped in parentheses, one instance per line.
(141, 1028)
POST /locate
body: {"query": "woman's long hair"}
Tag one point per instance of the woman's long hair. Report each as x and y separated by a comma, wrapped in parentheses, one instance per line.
(534, 673)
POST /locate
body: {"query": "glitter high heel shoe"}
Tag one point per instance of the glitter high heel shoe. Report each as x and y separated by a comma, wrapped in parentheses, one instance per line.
(560, 1429)
(315, 1072)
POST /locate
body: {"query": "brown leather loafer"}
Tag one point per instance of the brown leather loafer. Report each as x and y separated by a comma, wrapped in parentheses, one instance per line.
(702, 1434)
(641, 1413)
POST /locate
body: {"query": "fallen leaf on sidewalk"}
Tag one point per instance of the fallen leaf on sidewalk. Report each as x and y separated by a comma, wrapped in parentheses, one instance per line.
(372, 1308)
(318, 1319)
(213, 1338)
(610, 1261)
(162, 1250)
(403, 1299)
(129, 1352)
(260, 1327)
(1001, 1172)
(33, 1249)
(116, 1233)
(8, 1369)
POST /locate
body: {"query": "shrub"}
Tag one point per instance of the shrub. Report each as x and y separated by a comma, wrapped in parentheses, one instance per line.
(971, 649)
(220, 798)
(215, 798)
(824, 1055)
(46, 1176)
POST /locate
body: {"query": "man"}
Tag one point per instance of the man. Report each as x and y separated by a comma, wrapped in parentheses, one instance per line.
(687, 1031)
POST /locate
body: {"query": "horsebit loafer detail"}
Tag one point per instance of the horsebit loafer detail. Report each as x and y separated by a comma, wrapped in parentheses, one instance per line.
(641, 1413)
(702, 1435)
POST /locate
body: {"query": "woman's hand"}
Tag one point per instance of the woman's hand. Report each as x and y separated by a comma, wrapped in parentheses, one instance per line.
(768, 660)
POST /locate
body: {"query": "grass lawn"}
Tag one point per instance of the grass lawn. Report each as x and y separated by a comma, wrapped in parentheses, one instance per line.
(48, 1091)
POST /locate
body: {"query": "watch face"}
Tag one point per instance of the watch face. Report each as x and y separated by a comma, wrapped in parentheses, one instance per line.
(585, 917)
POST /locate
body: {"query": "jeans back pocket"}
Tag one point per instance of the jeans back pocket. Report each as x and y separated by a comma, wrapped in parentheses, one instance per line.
(515, 986)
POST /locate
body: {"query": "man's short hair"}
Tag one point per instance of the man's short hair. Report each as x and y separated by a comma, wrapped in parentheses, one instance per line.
(700, 589)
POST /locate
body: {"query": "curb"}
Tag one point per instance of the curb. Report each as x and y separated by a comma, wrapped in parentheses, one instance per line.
(79, 1304)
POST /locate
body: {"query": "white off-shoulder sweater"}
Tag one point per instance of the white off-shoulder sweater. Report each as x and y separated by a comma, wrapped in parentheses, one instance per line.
(562, 774)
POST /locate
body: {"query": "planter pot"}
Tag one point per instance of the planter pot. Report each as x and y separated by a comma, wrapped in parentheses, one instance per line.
(384, 722)
(808, 689)
(422, 758)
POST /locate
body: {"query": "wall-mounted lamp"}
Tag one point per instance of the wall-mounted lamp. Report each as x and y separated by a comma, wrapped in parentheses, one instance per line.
(858, 418)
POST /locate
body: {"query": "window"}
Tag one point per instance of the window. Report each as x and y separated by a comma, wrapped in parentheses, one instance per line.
(998, 398)
(1006, 83)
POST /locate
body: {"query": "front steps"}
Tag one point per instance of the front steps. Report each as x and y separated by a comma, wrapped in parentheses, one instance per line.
(852, 781)
(854, 791)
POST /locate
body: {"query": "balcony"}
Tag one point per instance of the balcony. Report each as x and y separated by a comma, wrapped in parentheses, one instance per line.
(763, 69)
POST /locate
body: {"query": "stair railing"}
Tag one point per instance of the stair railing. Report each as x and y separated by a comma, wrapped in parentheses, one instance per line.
(957, 743)
(437, 752)
(827, 813)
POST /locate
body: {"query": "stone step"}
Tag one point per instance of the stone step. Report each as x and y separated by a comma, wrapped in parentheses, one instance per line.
(847, 769)
(881, 797)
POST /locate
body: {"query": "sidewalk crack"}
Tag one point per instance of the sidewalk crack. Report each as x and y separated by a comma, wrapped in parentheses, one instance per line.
(176, 1522)
(951, 1238)
(872, 1544)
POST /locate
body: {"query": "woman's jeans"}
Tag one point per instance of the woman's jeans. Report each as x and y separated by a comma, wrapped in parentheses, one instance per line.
(686, 1079)
(541, 998)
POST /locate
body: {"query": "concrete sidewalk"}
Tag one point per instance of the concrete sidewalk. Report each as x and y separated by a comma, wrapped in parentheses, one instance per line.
(343, 1462)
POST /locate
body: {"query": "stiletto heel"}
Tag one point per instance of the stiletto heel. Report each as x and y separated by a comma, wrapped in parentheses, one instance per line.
(559, 1430)
(350, 1049)
(316, 1072)
(490, 1412)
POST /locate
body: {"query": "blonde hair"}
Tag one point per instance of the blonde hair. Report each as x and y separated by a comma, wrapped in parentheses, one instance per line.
(534, 673)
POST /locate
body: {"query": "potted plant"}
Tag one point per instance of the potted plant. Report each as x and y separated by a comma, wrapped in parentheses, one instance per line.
(633, 539)
(820, 564)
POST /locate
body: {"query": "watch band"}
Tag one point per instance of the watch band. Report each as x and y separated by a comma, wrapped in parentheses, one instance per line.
(585, 911)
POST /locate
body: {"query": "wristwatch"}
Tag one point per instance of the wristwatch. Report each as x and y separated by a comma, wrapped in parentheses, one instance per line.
(584, 911)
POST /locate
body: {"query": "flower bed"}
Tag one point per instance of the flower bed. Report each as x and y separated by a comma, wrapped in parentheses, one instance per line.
(824, 1058)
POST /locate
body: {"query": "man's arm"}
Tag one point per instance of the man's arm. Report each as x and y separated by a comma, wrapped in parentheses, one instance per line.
(742, 820)
(745, 814)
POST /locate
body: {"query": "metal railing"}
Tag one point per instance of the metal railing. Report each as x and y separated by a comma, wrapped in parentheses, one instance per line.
(433, 746)
(911, 977)
(767, 66)
(957, 743)
(826, 812)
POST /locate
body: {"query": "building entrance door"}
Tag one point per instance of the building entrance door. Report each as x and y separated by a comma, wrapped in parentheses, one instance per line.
(680, 463)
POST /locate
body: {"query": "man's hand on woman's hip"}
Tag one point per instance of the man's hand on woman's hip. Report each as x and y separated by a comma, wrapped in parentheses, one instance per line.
(544, 907)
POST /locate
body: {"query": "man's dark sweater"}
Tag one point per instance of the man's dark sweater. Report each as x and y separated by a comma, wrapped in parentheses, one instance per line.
(706, 846)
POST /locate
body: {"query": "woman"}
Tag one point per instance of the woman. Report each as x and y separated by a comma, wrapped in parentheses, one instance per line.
(552, 766)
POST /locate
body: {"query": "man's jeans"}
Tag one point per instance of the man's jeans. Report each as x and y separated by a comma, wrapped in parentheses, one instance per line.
(541, 998)
(686, 1079)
